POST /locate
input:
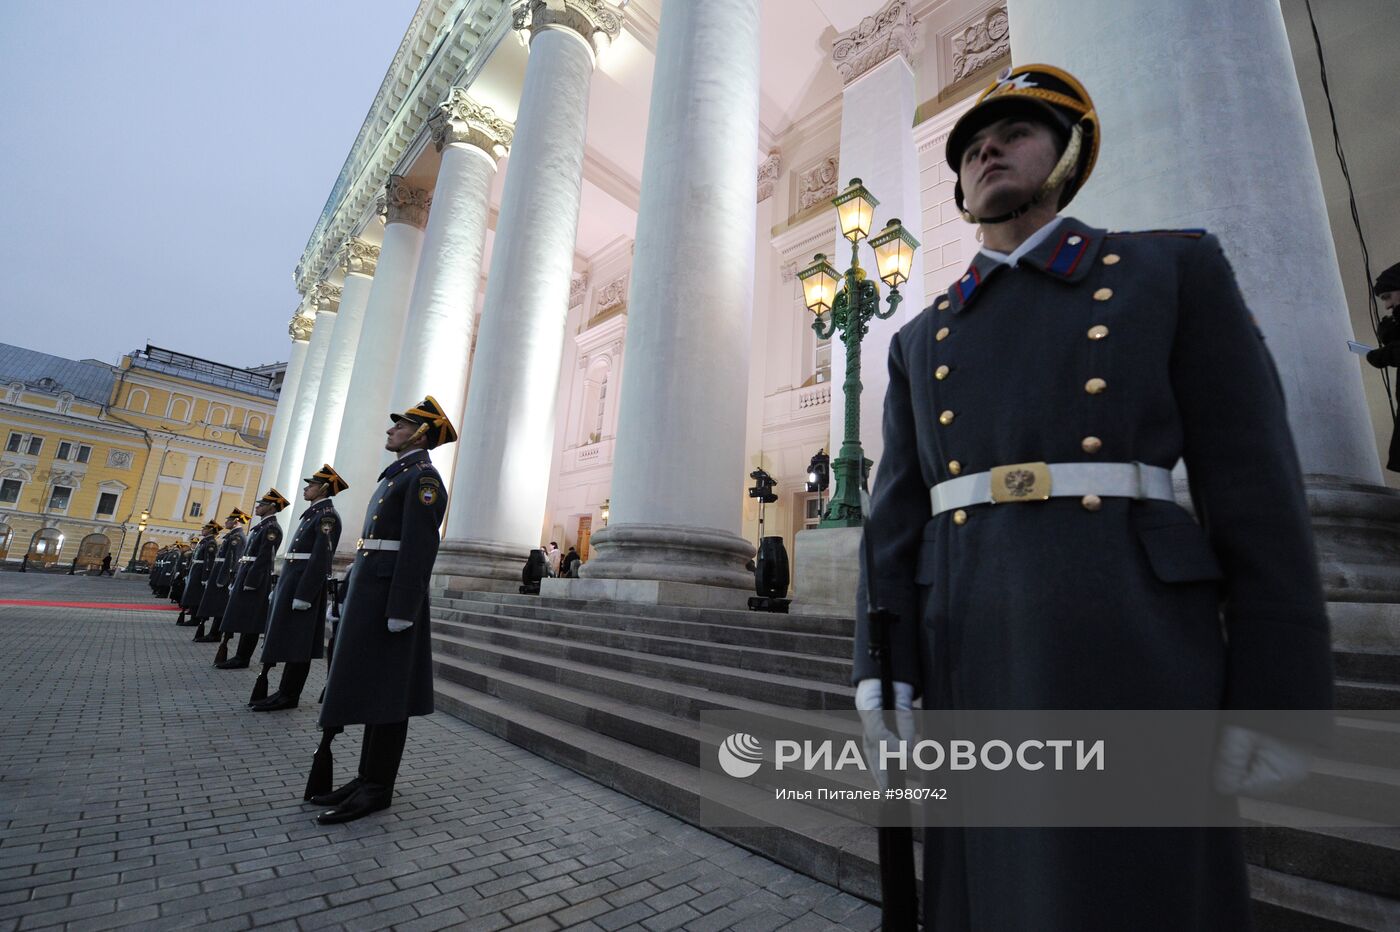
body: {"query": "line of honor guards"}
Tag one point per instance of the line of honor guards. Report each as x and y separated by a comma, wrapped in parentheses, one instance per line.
(379, 656)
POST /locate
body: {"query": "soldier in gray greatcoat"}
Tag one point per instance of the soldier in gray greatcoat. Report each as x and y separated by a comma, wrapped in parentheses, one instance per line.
(181, 571)
(296, 625)
(201, 568)
(1025, 530)
(246, 612)
(382, 670)
(211, 604)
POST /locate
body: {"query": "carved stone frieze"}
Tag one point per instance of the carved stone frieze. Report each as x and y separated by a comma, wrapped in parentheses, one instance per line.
(768, 171)
(788, 270)
(459, 119)
(818, 184)
(878, 38)
(599, 23)
(401, 202)
(613, 294)
(358, 257)
(981, 43)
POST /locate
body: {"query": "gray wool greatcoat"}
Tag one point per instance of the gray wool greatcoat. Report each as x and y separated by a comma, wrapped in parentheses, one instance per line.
(300, 636)
(246, 612)
(201, 568)
(215, 597)
(1051, 605)
(378, 677)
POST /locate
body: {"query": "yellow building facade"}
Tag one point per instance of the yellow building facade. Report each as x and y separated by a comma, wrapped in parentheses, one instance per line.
(93, 451)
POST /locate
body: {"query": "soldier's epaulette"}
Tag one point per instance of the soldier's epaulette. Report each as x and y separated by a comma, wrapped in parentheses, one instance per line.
(1190, 233)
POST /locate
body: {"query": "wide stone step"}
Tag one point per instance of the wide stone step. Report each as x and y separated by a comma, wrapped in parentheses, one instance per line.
(1288, 903)
(820, 845)
(763, 638)
(1360, 694)
(1367, 666)
(780, 690)
(806, 624)
(1358, 854)
(805, 666)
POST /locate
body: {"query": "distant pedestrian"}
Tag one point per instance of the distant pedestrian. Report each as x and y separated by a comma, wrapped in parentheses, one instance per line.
(74, 568)
(570, 564)
(106, 565)
(553, 558)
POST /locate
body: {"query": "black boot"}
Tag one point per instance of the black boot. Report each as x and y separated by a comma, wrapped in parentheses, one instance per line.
(199, 632)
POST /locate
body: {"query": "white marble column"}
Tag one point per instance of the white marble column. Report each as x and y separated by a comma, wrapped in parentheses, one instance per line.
(877, 146)
(324, 302)
(300, 330)
(359, 450)
(679, 467)
(1204, 127)
(502, 475)
(358, 258)
(435, 357)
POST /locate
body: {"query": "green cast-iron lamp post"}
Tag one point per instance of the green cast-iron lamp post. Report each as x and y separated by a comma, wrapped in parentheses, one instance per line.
(847, 303)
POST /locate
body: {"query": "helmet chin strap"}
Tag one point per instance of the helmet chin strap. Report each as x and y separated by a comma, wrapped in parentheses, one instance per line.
(1069, 159)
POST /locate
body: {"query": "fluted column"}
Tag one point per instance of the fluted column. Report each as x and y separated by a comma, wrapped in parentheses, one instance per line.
(502, 474)
(435, 357)
(300, 329)
(358, 258)
(359, 447)
(1219, 147)
(324, 302)
(678, 470)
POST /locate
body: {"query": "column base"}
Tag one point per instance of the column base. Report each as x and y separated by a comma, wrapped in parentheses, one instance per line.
(1357, 528)
(666, 553)
(479, 566)
(646, 592)
(827, 572)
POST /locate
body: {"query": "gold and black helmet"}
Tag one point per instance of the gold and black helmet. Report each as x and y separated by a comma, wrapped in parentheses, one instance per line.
(431, 420)
(327, 474)
(1048, 95)
(274, 498)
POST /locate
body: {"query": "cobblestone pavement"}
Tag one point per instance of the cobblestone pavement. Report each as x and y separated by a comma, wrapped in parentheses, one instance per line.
(137, 790)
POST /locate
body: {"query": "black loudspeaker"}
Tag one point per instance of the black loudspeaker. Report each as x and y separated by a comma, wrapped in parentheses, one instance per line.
(771, 576)
(532, 572)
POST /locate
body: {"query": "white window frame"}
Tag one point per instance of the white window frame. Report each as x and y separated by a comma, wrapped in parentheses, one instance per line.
(65, 450)
(53, 490)
(196, 509)
(15, 443)
(31, 449)
(18, 494)
(97, 512)
(84, 453)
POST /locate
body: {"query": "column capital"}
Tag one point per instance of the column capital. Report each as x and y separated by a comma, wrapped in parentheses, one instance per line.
(324, 297)
(768, 171)
(596, 22)
(461, 119)
(300, 327)
(357, 257)
(877, 39)
(401, 202)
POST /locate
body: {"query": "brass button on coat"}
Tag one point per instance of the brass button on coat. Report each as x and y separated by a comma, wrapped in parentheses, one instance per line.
(1091, 502)
(943, 305)
(1103, 294)
(1111, 259)
(1098, 332)
(1095, 386)
(1091, 444)
(941, 373)
(945, 418)
(954, 467)
(942, 334)
(959, 517)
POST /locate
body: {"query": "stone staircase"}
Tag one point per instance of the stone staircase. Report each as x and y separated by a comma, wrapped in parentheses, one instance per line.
(615, 691)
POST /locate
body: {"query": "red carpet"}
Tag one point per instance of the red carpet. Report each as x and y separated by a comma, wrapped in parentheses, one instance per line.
(126, 606)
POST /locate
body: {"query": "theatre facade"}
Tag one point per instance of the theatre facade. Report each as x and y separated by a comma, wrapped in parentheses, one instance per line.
(579, 226)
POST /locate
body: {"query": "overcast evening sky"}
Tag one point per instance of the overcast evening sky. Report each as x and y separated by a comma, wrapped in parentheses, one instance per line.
(167, 162)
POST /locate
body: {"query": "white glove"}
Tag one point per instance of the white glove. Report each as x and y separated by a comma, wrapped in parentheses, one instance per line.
(1250, 762)
(870, 704)
(399, 624)
(300, 605)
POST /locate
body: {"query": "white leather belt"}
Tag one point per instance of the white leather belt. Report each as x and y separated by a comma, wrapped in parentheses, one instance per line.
(1031, 482)
(218, 559)
(298, 556)
(372, 544)
(246, 559)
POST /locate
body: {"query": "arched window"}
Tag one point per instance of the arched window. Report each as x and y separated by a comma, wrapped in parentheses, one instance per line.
(179, 408)
(148, 551)
(45, 546)
(7, 534)
(254, 426)
(137, 399)
(218, 416)
(92, 549)
(595, 400)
